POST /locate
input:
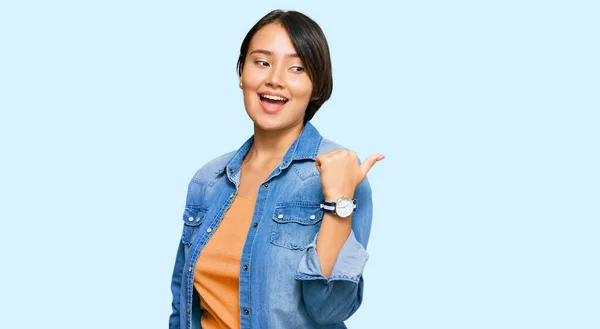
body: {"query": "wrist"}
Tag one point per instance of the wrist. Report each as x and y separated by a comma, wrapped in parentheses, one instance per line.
(342, 207)
(335, 196)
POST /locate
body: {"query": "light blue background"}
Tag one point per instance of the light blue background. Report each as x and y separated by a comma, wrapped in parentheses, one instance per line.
(486, 207)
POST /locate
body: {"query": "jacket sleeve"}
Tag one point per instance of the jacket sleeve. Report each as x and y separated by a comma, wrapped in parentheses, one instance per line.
(336, 298)
(174, 320)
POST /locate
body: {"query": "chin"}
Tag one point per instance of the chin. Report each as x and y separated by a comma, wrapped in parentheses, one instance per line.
(270, 125)
(273, 122)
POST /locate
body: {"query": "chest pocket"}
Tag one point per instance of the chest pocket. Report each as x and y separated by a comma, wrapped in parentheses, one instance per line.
(193, 216)
(295, 224)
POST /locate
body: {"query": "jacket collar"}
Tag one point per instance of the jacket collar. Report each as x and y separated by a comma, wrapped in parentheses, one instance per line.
(306, 146)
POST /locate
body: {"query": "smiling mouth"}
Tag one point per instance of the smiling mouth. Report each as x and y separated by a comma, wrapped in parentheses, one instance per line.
(271, 103)
(270, 99)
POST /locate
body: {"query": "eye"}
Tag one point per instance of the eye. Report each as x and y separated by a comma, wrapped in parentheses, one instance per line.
(261, 63)
(297, 68)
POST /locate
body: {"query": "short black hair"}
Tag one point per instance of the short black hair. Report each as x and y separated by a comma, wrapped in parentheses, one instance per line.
(311, 45)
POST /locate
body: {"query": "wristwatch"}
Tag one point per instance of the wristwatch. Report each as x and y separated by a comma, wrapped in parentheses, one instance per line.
(344, 207)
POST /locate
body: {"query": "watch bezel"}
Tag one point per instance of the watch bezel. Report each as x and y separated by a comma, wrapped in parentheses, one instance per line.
(347, 206)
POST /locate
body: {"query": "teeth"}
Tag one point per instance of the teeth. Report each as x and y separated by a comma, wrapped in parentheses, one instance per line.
(275, 98)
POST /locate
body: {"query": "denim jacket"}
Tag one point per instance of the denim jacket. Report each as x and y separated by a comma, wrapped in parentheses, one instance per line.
(281, 284)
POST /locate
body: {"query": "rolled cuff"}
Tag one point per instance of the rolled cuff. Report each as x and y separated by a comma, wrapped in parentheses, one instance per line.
(348, 266)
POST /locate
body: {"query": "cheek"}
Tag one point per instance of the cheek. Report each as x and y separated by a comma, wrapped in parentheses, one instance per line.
(301, 89)
(250, 98)
(247, 94)
(252, 78)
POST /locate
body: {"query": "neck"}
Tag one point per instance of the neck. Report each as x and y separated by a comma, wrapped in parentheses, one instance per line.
(271, 145)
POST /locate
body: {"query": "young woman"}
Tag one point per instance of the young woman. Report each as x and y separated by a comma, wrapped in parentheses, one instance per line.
(275, 232)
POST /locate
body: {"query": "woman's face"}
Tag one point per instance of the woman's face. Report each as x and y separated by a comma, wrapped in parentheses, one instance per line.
(276, 87)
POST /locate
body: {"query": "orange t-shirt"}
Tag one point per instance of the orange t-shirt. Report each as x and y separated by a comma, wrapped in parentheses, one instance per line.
(216, 276)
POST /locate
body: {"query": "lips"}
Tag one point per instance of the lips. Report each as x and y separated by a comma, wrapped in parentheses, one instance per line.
(272, 103)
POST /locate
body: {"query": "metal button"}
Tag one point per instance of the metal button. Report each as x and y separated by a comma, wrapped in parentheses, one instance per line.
(191, 219)
(266, 185)
(208, 230)
(231, 171)
(280, 216)
(245, 267)
(190, 269)
(312, 217)
(255, 224)
(246, 311)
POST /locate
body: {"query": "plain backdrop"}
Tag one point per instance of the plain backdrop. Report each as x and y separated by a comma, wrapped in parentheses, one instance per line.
(486, 208)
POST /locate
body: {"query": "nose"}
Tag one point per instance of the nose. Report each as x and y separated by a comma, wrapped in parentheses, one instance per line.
(275, 79)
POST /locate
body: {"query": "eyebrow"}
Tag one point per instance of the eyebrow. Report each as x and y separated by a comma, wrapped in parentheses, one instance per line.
(270, 53)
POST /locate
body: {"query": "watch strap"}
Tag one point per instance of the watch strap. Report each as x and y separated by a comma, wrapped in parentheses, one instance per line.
(330, 206)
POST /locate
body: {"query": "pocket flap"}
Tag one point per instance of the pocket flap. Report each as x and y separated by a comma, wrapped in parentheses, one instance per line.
(305, 213)
(194, 215)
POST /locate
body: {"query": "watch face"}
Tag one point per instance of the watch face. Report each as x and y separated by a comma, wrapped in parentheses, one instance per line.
(344, 207)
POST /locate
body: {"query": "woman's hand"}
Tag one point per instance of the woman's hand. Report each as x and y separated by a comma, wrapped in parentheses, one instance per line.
(341, 173)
